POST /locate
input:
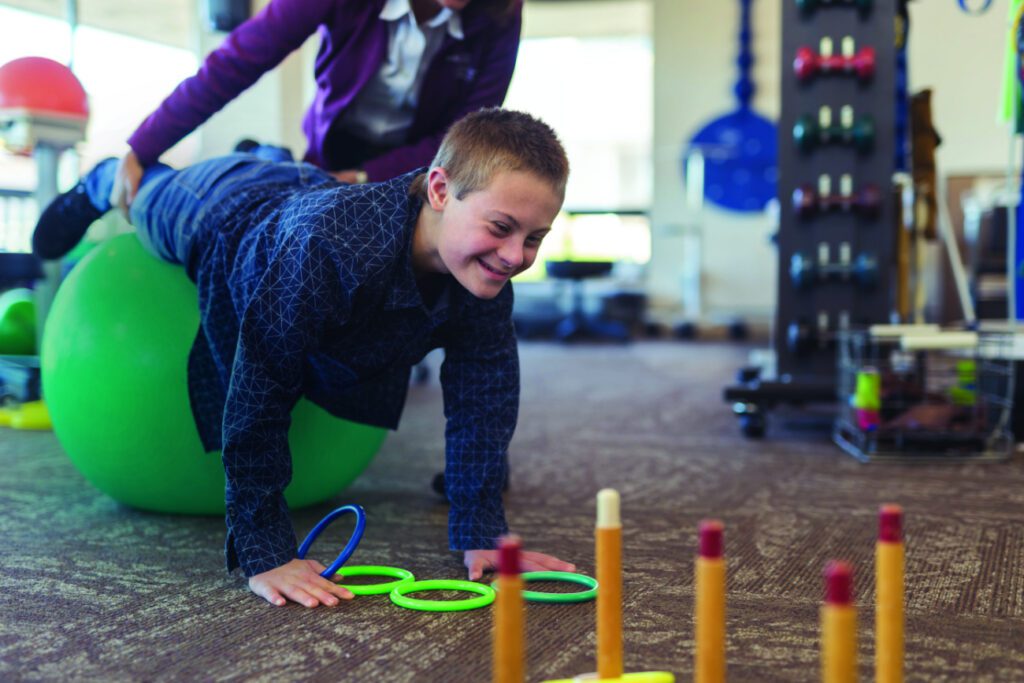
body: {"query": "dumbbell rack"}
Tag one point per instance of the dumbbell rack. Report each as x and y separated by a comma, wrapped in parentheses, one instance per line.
(811, 313)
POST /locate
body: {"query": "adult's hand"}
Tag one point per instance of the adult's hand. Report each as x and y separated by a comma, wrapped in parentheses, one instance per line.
(353, 176)
(126, 183)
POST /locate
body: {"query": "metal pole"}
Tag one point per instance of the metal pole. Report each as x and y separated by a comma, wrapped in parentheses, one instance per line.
(47, 157)
(72, 10)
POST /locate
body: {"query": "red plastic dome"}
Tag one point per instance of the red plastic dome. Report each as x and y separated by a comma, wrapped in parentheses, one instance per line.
(42, 86)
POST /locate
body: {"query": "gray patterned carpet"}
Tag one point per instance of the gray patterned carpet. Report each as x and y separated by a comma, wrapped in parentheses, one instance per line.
(93, 591)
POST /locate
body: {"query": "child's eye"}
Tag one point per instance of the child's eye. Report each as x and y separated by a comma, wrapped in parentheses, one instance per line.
(502, 227)
(535, 239)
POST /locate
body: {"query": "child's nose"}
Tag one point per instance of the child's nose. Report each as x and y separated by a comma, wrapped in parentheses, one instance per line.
(511, 254)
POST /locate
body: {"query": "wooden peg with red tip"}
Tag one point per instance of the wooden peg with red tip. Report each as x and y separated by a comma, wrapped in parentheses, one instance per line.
(509, 660)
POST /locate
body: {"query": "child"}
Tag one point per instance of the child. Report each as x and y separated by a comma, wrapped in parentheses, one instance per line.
(310, 287)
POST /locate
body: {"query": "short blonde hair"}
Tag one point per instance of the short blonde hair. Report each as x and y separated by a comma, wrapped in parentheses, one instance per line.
(491, 140)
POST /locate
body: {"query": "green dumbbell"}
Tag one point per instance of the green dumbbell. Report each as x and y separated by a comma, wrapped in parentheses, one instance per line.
(808, 7)
(804, 271)
(808, 133)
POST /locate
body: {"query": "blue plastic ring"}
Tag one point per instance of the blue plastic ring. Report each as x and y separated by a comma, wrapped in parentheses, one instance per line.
(980, 9)
(350, 547)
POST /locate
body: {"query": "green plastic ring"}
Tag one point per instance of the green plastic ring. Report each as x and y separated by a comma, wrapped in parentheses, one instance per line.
(403, 576)
(579, 596)
(398, 595)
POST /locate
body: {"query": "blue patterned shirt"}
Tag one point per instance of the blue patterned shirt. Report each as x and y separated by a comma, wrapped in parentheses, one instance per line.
(310, 292)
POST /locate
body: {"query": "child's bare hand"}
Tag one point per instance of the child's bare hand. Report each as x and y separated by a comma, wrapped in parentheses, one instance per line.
(298, 581)
(479, 561)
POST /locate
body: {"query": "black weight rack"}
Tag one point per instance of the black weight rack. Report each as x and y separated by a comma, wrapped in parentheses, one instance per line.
(838, 222)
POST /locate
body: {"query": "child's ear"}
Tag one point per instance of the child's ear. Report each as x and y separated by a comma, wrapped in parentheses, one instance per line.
(438, 188)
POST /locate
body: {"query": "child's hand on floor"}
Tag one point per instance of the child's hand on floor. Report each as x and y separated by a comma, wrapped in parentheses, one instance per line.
(479, 561)
(298, 581)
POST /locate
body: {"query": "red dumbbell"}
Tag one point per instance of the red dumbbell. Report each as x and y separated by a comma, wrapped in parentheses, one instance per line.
(808, 63)
(866, 201)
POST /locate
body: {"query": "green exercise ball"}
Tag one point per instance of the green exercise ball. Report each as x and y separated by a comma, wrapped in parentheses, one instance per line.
(17, 322)
(114, 364)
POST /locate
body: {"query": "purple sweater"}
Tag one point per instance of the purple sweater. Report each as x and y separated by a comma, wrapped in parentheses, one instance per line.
(466, 75)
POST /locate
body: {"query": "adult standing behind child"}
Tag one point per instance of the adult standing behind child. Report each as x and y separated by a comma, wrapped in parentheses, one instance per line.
(391, 77)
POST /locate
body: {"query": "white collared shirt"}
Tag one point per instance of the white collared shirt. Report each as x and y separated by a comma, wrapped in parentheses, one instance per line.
(383, 110)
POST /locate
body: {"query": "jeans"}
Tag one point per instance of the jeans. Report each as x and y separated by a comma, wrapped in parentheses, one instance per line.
(171, 206)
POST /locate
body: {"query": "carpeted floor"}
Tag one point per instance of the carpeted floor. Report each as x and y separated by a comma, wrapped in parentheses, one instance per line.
(93, 591)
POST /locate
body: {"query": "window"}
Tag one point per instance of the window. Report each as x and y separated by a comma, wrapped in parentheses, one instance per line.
(125, 78)
(596, 91)
(597, 94)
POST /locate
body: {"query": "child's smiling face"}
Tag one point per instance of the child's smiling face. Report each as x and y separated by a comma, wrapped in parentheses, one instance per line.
(492, 234)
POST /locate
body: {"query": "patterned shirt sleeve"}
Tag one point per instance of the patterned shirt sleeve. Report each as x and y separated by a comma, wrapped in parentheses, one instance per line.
(282, 321)
(480, 377)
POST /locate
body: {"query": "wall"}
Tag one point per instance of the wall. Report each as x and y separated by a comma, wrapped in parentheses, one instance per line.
(695, 44)
(961, 58)
(586, 18)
